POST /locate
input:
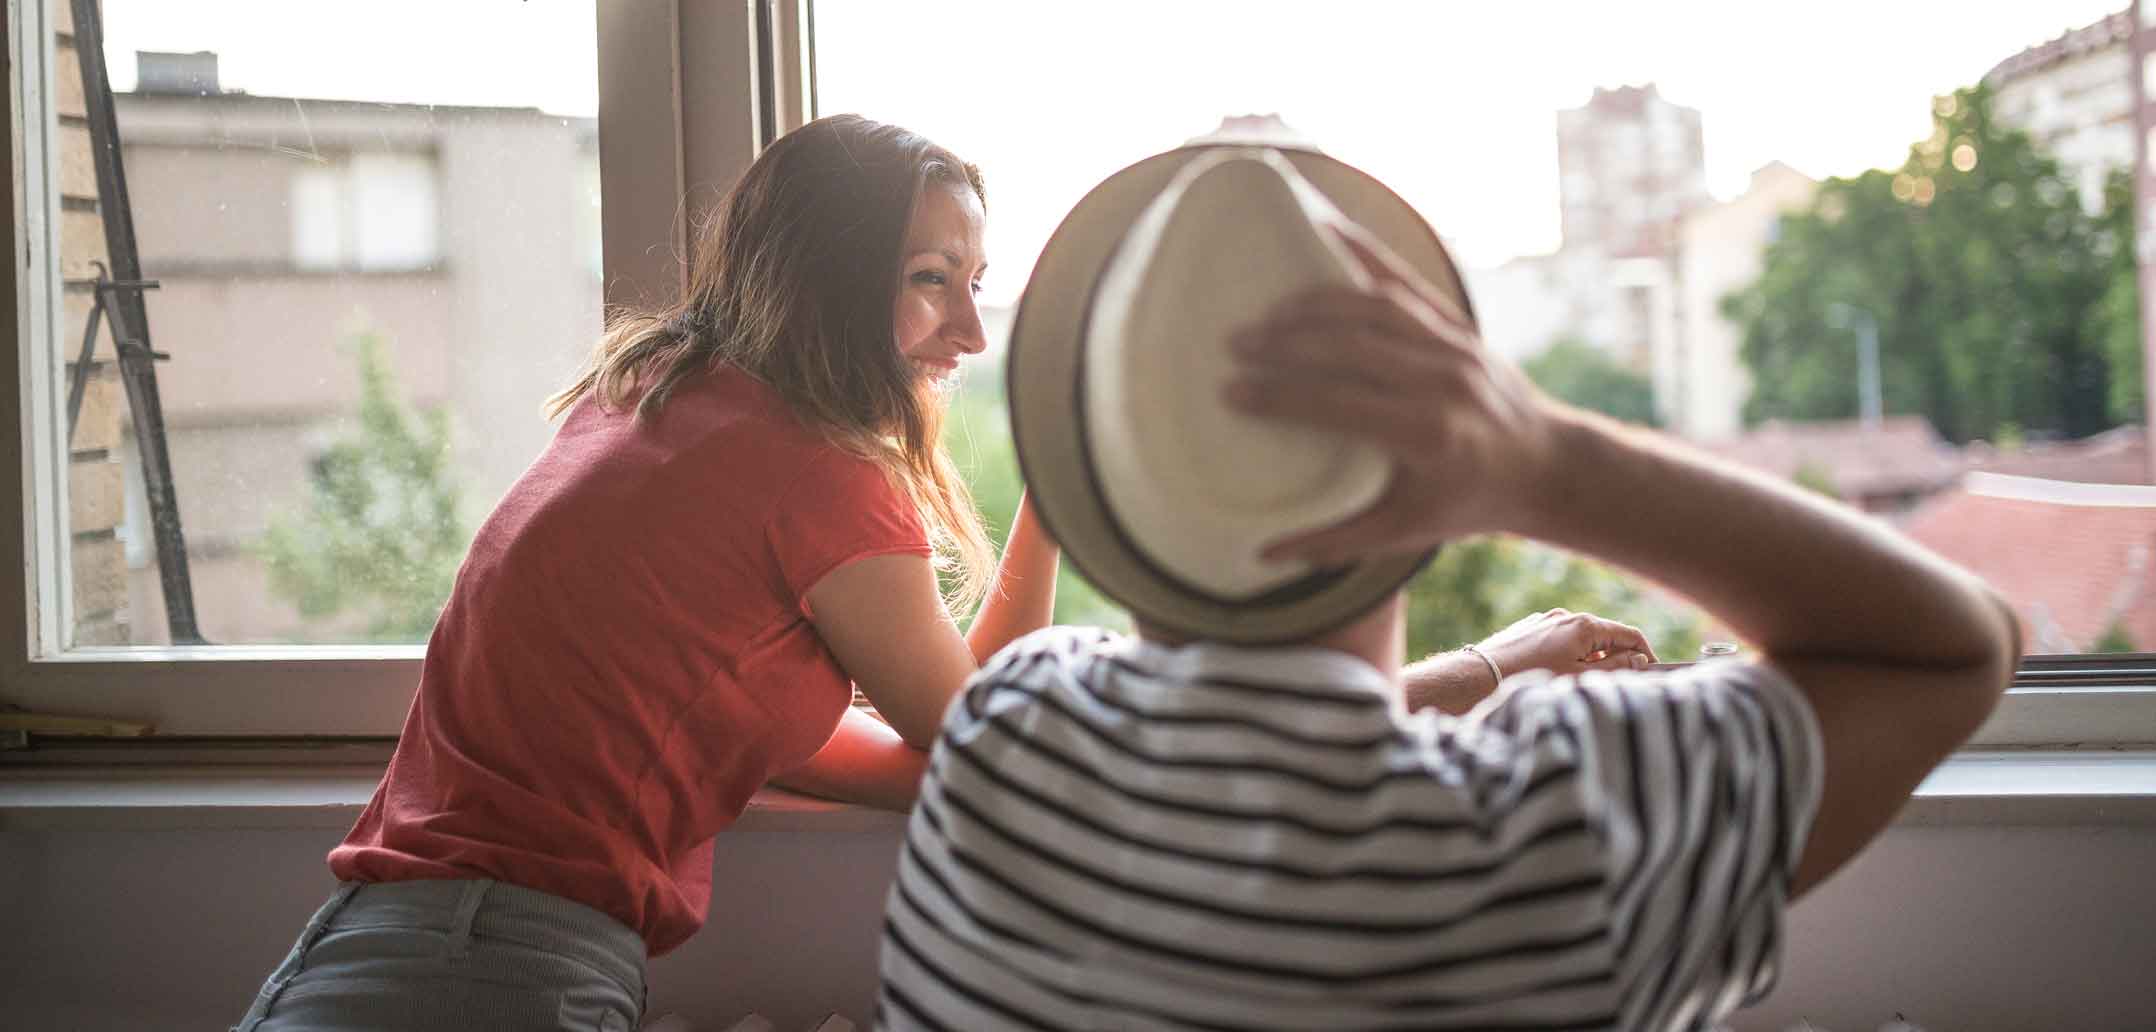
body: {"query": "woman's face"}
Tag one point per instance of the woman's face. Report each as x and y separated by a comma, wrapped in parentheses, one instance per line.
(940, 268)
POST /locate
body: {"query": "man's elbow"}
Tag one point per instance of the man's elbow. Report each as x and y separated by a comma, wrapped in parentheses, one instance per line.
(1990, 674)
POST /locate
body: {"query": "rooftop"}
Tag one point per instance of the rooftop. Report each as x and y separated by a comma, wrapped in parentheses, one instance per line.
(2089, 576)
(1902, 455)
(2112, 31)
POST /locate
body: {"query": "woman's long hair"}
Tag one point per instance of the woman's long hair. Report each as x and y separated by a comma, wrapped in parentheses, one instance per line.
(794, 281)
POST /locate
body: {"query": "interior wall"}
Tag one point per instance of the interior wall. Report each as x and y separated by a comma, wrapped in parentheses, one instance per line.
(1958, 928)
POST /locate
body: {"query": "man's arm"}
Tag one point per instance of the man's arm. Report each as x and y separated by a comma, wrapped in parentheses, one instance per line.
(1899, 654)
(1449, 682)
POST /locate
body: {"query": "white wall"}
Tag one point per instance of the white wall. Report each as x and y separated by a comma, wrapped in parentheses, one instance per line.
(105, 931)
(1529, 303)
(1701, 383)
(1969, 929)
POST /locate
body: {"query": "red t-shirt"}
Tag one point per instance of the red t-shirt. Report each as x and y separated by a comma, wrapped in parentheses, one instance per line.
(627, 656)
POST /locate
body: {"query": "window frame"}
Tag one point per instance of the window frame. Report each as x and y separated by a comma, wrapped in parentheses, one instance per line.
(682, 110)
(659, 60)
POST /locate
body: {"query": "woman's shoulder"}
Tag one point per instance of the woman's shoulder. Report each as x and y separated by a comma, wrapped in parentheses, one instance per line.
(727, 410)
(741, 416)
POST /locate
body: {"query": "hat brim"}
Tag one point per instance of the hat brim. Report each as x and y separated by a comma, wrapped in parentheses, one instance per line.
(1043, 368)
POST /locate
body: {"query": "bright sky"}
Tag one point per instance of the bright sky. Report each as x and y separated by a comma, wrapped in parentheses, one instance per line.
(1451, 103)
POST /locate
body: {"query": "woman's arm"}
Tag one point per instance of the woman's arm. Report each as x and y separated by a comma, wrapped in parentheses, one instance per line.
(864, 762)
(1023, 597)
(884, 619)
(1555, 639)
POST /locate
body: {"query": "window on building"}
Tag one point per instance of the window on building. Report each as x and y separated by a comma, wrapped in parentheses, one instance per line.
(361, 240)
(253, 150)
(366, 212)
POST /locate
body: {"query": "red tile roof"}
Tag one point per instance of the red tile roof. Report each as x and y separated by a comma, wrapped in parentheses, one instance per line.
(1899, 456)
(2073, 559)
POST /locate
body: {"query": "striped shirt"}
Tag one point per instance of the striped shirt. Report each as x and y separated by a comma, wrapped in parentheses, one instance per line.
(1116, 834)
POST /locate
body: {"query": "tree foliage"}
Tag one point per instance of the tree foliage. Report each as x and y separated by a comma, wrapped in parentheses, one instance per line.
(1479, 585)
(978, 434)
(1999, 300)
(378, 538)
(1472, 589)
(2118, 312)
(1583, 375)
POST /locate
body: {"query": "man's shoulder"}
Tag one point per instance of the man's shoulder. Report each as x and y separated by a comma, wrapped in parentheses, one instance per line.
(1050, 661)
(1058, 648)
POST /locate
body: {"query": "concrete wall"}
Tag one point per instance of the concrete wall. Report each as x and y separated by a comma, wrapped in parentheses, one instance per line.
(175, 929)
(1970, 929)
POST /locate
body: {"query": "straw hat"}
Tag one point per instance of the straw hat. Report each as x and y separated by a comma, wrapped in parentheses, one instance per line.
(1158, 492)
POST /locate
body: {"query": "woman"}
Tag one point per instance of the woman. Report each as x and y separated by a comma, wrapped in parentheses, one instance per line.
(741, 519)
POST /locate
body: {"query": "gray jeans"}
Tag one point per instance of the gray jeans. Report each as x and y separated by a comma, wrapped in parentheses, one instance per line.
(472, 955)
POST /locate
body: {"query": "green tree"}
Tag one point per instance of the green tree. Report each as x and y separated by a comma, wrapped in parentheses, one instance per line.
(978, 434)
(1985, 276)
(1479, 585)
(1473, 588)
(2116, 639)
(1580, 374)
(2118, 312)
(1817, 479)
(379, 537)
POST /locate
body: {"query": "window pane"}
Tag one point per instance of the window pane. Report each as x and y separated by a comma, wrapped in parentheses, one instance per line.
(373, 232)
(1887, 284)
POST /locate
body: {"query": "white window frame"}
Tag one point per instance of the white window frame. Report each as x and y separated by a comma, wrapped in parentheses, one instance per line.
(680, 116)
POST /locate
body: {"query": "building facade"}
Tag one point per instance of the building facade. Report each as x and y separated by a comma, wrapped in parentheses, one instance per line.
(1700, 383)
(1630, 166)
(285, 230)
(2075, 95)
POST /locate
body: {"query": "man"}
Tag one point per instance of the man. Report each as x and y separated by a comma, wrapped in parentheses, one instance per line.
(1249, 399)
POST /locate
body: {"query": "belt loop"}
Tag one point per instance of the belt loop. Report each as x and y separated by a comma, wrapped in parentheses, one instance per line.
(460, 926)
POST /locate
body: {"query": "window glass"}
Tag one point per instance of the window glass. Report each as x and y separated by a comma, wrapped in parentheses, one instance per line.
(373, 230)
(1906, 281)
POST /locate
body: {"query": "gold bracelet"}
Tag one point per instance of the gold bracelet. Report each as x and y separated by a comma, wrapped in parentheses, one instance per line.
(1497, 677)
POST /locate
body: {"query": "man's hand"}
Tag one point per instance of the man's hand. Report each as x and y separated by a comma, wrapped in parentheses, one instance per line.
(1565, 642)
(1399, 363)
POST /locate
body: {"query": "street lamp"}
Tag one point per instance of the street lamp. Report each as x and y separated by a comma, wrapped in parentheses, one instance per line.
(1850, 317)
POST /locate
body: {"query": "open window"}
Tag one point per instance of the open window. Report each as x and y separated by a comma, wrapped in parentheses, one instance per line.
(417, 214)
(366, 243)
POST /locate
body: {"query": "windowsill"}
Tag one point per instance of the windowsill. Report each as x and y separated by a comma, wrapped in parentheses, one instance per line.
(199, 798)
(273, 268)
(2049, 788)
(2038, 787)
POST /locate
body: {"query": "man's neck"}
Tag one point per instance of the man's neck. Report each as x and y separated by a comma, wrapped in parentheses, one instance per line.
(1378, 638)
